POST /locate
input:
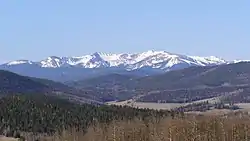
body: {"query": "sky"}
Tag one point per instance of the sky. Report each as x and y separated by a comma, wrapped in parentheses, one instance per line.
(36, 29)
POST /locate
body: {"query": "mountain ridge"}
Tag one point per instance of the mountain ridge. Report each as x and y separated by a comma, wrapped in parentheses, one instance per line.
(83, 67)
(12, 83)
(230, 81)
(129, 61)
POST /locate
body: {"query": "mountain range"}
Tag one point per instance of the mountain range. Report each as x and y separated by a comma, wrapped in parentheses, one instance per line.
(230, 81)
(155, 59)
(77, 68)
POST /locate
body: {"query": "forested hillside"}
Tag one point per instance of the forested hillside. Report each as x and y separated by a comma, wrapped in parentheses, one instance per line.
(11, 83)
(185, 85)
(48, 114)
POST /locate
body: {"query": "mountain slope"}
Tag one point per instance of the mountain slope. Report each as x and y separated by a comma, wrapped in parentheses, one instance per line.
(104, 81)
(197, 83)
(193, 77)
(73, 68)
(49, 114)
(193, 83)
(11, 83)
(106, 87)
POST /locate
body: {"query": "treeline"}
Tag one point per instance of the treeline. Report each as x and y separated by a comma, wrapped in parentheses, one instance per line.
(188, 95)
(204, 106)
(48, 114)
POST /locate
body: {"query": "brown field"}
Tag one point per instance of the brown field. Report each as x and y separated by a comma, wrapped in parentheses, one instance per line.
(245, 107)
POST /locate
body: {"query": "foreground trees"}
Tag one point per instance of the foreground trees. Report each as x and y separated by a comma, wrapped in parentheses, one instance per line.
(47, 114)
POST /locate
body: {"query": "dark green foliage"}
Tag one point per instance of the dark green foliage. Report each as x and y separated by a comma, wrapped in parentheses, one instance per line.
(193, 77)
(204, 106)
(188, 95)
(170, 80)
(107, 87)
(11, 83)
(47, 114)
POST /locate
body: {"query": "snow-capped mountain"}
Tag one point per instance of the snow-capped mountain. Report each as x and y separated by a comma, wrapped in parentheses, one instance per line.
(238, 61)
(82, 67)
(151, 59)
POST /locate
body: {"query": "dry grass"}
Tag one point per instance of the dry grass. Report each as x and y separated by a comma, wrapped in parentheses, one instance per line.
(7, 139)
(159, 106)
(149, 105)
(193, 128)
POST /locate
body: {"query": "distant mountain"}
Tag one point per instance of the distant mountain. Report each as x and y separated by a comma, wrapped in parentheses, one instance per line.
(104, 81)
(11, 83)
(154, 59)
(77, 68)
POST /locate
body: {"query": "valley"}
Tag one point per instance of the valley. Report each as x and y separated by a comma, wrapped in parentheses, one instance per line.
(131, 70)
(91, 105)
(230, 82)
(181, 86)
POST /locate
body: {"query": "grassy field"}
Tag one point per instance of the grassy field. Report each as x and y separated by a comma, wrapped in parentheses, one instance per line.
(244, 107)
(158, 106)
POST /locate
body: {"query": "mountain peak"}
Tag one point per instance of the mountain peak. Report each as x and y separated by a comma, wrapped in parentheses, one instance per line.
(53, 57)
(150, 59)
(96, 54)
(19, 62)
(238, 61)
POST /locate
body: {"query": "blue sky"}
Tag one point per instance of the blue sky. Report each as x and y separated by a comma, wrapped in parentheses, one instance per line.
(35, 29)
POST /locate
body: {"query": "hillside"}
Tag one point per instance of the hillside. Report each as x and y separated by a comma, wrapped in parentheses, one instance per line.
(231, 74)
(189, 84)
(103, 81)
(11, 83)
(48, 114)
(107, 87)
(197, 83)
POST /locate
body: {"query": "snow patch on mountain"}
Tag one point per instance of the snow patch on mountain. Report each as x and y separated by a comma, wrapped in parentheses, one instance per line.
(238, 61)
(19, 62)
(152, 59)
